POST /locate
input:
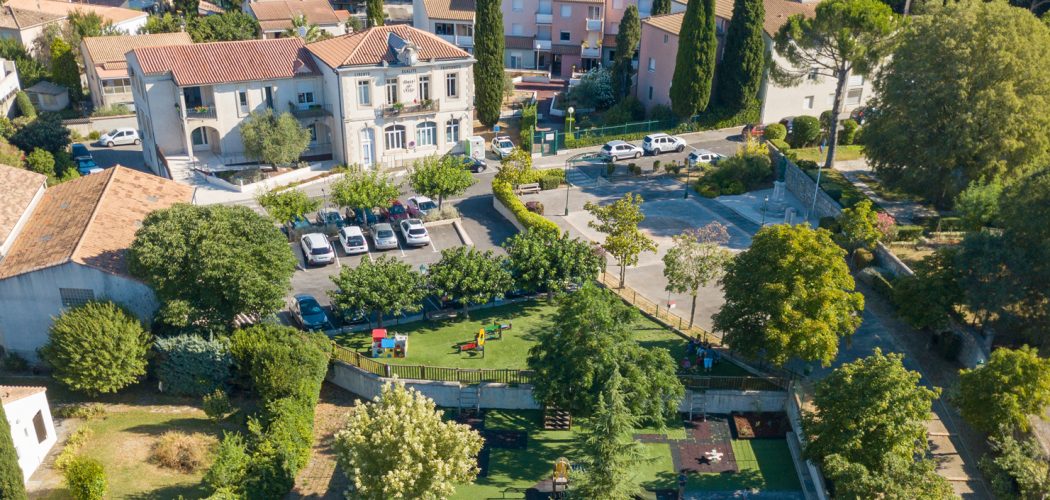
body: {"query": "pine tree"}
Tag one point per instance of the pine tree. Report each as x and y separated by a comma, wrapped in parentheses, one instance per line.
(11, 485)
(609, 447)
(695, 62)
(375, 13)
(626, 44)
(661, 7)
(744, 57)
(488, 71)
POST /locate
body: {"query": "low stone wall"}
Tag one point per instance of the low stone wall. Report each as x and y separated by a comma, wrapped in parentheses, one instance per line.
(85, 126)
(809, 475)
(286, 178)
(506, 213)
(738, 401)
(804, 188)
(885, 258)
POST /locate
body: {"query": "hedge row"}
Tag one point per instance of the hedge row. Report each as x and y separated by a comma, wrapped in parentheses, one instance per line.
(504, 192)
(189, 365)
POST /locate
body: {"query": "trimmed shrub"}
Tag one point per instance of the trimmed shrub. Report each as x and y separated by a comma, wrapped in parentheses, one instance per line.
(87, 411)
(14, 362)
(908, 233)
(94, 135)
(805, 130)
(849, 132)
(189, 365)
(180, 451)
(708, 190)
(776, 132)
(217, 405)
(634, 169)
(24, 105)
(504, 192)
(780, 144)
(86, 479)
(738, 174)
(547, 183)
(534, 207)
(282, 450)
(862, 258)
(230, 466)
(12, 486)
(281, 361)
(662, 113)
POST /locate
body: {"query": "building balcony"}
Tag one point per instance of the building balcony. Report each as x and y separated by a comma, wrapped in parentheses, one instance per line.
(302, 111)
(594, 25)
(542, 45)
(544, 18)
(202, 112)
(458, 40)
(590, 52)
(401, 109)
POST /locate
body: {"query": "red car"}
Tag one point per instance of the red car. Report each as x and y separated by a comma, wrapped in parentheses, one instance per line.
(753, 130)
(395, 213)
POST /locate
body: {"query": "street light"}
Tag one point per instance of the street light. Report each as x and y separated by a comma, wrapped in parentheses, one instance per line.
(567, 186)
(764, 203)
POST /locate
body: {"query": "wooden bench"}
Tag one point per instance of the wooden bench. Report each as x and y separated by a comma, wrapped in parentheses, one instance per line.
(531, 188)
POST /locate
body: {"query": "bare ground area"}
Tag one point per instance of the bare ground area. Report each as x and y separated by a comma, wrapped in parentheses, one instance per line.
(320, 479)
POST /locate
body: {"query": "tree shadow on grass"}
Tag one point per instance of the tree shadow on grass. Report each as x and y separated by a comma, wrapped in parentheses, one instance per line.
(724, 482)
(174, 491)
(189, 425)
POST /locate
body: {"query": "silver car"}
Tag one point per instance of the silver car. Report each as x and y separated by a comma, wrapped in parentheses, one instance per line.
(415, 234)
(383, 236)
(119, 136)
(619, 150)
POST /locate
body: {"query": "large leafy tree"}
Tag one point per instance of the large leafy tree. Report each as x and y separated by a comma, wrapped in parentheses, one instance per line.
(627, 38)
(97, 348)
(469, 276)
(696, 259)
(488, 70)
(789, 295)
(287, 205)
(372, 448)
(695, 62)
(273, 139)
(845, 37)
(928, 298)
(361, 188)
(619, 222)
(609, 448)
(868, 426)
(543, 261)
(220, 260)
(11, 481)
(1017, 469)
(384, 287)
(589, 339)
(226, 27)
(744, 58)
(998, 396)
(440, 177)
(943, 121)
(859, 228)
(374, 13)
(46, 132)
(64, 69)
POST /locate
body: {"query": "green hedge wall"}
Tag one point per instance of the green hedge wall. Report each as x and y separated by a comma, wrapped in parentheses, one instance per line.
(504, 192)
(189, 365)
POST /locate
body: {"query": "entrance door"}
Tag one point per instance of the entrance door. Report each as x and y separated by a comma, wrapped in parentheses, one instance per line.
(367, 149)
(556, 64)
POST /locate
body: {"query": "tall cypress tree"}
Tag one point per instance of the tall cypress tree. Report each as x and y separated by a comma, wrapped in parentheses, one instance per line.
(744, 57)
(661, 7)
(695, 63)
(488, 50)
(11, 485)
(374, 11)
(626, 44)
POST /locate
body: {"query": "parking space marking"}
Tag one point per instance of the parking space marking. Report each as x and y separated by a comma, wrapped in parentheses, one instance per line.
(402, 250)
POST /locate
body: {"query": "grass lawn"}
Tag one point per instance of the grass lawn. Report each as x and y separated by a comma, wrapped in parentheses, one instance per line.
(844, 153)
(764, 464)
(432, 343)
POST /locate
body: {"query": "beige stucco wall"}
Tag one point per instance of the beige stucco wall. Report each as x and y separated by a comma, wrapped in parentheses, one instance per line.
(661, 47)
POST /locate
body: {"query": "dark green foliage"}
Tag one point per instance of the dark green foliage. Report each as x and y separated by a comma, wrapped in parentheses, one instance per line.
(374, 13)
(661, 113)
(231, 464)
(695, 61)
(188, 8)
(46, 132)
(547, 262)
(469, 276)
(99, 347)
(738, 174)
(928, 299)
(282, 447)
(661, 7)
(909, 233)
(488, 70)
(226, 27)
(166, 23)
(630, 31)
(192, 366)
(367, 288)
(221, 260)
(775, 132)
(849, 131)
(1016, 469)
(216, 405)
(64, 70)
(24, 105)
(86, 479)
(630, 109)
(978, 204)
(11, 485)
(744, 57)
(281, 361)
(805, 131)
(30, 71)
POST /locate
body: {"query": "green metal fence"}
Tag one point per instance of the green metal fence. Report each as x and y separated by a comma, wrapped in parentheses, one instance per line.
(551, 141)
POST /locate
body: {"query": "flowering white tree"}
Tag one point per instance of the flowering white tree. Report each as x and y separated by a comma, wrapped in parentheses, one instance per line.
(399, 446)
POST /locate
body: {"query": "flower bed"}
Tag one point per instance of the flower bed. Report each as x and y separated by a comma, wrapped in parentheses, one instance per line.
(754, 425)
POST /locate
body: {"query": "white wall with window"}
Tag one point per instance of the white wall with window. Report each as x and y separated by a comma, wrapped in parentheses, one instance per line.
(426, 134)
(32, 429)
(394, 137)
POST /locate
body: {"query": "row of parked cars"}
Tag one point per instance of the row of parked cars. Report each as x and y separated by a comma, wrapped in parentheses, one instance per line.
(405, 219)
(656, 144)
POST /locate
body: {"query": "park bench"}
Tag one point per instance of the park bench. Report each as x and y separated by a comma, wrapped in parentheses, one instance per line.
(531, 188)
(442, 314)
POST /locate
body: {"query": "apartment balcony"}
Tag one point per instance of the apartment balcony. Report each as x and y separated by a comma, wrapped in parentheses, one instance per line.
(594, 25)
(542, 45)
(305, 111)
(590, 52)
(458, 40)
(544, 18)
(401, 109)
(202, 112)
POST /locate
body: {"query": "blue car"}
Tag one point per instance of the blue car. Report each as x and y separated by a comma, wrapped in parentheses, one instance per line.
(80, 152)
(365, 217)
(309, 313)
(85, 167)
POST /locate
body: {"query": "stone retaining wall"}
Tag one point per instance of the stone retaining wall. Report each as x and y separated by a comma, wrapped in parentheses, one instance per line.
(804, 188)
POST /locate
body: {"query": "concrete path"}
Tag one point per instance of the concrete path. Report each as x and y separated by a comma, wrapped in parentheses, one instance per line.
(904, 211)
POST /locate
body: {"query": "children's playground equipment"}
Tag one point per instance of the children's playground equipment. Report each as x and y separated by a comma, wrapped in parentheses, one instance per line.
(385, 346)
(560, 478)
(495, 330)
(478, 345)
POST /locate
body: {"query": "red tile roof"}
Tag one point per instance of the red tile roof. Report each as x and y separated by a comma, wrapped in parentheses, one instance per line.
(278, 14)
(777, 14)
(225, 62)
(372, 47)
(12, 393)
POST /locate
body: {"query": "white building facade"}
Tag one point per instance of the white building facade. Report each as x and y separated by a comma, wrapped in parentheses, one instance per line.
(32, 429)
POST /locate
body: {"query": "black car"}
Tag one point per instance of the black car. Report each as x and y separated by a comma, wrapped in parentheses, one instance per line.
(475, 165)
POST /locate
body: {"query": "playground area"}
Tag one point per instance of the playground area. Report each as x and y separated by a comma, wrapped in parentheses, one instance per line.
(520, 454)
(509, 332)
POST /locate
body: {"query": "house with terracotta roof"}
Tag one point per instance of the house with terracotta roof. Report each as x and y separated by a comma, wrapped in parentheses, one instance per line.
(659, 45)
(70, 249)
(106, 68)
(23, 190)
(25, 20)
(32, 429)
(401, 93)
(275, 16)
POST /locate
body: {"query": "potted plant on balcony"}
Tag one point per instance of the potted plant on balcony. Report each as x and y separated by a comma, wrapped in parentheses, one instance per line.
(397, 107)
(200, 110)
(426, 104)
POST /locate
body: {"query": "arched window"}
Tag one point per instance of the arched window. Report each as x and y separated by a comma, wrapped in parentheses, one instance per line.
(395, 137)
(452, 131)
(426, 134)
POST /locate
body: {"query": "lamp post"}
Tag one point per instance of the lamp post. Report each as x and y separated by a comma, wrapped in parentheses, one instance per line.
(764, 203)
(567, 186)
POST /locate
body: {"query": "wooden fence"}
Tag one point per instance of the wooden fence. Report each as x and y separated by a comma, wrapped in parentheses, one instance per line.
(662, 315)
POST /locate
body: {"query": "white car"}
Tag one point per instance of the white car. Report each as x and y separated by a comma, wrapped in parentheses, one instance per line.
(702, 157)
(414, 232)
(353, 240)
(119, 136)
(420, 206)
(502, 146)
(383, 236)
(317, 249)
(618, 150)
(655, 144)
